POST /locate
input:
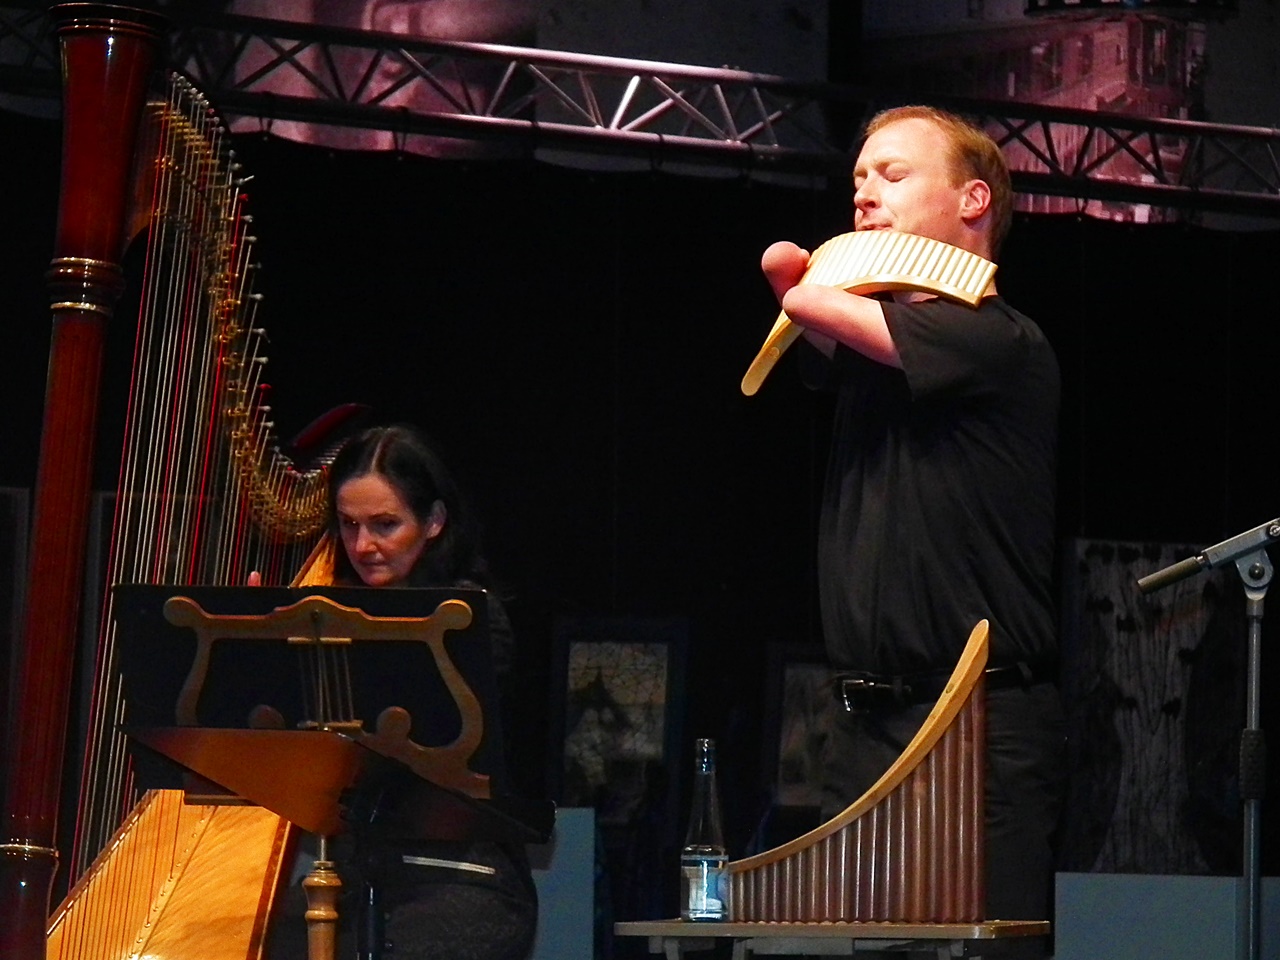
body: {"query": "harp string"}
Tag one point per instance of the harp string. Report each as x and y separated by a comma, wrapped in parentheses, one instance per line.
(204, 494)
(166, 517)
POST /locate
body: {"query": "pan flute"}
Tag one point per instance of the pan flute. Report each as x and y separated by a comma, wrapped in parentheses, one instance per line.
(908, 850)
(876, 261)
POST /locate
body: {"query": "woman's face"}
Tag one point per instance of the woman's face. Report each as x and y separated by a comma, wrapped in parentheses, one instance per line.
(381, 535)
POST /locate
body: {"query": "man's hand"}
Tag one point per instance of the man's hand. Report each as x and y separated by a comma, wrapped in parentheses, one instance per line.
(827, 314)
(784, 264)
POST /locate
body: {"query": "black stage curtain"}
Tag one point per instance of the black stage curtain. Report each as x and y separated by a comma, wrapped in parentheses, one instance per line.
(574, 341)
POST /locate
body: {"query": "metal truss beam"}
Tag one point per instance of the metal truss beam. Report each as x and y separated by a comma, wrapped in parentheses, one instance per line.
(259, 72)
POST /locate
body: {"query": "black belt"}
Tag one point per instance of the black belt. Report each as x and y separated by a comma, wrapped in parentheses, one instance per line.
(861, 692)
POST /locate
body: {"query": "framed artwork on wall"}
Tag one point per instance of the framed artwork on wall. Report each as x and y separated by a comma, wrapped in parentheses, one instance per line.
(618, 683)
(799, 707)
(616, 724)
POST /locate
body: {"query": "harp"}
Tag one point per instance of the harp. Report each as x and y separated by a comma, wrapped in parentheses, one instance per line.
(875, 262)
(205, 495)
(909, 850)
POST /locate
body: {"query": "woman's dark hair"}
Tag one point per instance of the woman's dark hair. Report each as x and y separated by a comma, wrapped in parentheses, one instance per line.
(404, 459)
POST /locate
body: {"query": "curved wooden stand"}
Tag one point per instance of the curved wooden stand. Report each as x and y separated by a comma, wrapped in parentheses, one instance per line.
(910, 849)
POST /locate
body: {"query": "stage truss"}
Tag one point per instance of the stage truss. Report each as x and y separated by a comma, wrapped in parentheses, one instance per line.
(556, 103)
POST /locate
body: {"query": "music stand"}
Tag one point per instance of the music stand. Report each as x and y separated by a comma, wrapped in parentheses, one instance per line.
(212, 683)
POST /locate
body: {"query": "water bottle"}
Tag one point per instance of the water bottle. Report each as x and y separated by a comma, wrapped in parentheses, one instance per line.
(703, 858)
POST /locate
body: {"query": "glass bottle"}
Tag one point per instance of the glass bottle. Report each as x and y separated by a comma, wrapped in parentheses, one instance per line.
(703, 858)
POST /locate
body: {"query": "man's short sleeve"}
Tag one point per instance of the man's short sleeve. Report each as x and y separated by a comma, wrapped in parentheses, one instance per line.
(952, 350)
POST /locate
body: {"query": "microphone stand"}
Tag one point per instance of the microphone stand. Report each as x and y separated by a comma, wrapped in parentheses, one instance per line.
(1247, 551)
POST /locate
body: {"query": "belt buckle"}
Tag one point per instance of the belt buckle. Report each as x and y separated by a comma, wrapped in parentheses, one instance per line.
(847, 683)
(871, 687)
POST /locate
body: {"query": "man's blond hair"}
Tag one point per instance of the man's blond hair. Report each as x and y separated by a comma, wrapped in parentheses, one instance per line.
(973, 156)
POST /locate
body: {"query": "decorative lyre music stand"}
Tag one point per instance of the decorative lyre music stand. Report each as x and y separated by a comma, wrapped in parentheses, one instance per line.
(422, 772)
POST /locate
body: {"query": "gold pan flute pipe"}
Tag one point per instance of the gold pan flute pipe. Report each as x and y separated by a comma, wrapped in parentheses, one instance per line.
(875, 261)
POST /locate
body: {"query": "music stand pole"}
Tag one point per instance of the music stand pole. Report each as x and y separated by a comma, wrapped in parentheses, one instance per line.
(322, 886)
(1247, 552)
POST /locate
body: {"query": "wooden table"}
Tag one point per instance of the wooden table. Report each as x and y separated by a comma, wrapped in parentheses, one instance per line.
(674, 938)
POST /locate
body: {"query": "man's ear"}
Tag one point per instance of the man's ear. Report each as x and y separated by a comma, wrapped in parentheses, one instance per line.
(975, 201)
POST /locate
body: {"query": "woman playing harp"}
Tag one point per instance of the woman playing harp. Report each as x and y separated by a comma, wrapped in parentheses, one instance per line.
(939, 502)
(397, 518)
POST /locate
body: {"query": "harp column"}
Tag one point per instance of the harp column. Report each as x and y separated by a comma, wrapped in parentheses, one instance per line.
(108, 54)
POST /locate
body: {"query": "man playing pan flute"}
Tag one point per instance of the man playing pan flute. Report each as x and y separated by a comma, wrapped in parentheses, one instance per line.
(939, 503)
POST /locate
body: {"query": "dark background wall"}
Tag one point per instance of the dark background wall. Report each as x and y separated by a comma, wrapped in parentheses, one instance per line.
(574, 341)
